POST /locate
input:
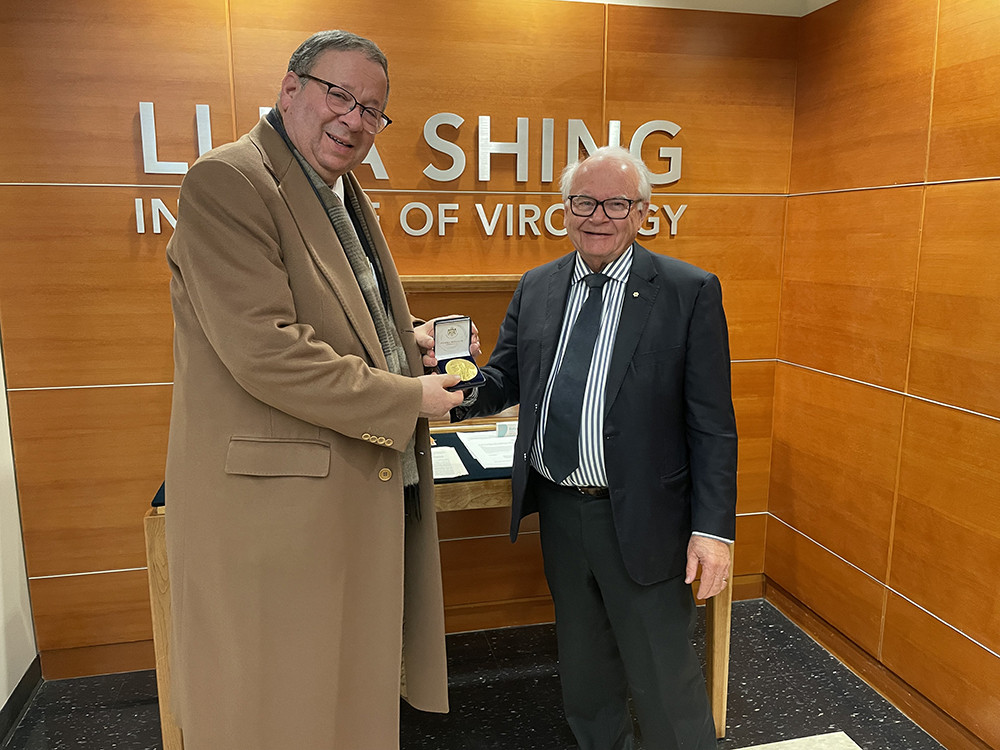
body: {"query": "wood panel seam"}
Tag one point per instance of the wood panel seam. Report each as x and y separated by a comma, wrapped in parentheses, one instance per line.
(916, 285)
(892, 530)
(82, 387)
(446, 539)
(777, 343)
(484, 536)
(451, 428)
(232, 65)
(930, 105)
(781, 286)
(795, 94)
(473, 605)
(924, 183)
(656, 194)
(87, 184)
(86, 573)
(906, 384)
(995, 418)
(604, 73)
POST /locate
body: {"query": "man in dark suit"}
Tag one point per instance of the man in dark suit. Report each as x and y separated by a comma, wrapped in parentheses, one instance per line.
(626, 448)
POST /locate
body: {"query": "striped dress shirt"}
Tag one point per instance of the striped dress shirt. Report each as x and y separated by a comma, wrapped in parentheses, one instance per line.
(591, 472)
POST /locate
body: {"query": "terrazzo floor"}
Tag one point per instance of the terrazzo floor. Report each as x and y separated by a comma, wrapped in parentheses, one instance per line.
(785, 693)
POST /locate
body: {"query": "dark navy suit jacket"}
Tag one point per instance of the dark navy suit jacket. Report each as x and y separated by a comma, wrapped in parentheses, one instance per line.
(669, 427)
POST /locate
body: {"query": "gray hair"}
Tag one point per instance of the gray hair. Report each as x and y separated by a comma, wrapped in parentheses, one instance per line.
(615, 154)
(304, 58)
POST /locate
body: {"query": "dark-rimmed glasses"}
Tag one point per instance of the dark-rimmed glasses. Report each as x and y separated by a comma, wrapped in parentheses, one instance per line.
(614, 208)
(341, 102)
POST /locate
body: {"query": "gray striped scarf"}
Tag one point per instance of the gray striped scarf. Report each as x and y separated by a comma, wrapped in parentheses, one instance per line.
(388, 335)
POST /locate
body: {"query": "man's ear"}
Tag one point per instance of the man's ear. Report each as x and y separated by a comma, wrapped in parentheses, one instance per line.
(290, 86)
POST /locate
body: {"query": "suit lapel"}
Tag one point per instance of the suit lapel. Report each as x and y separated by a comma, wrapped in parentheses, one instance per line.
(320, 240)
(555, 307)
(640, 291)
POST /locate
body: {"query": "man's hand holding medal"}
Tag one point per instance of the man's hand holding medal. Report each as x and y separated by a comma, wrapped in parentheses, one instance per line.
(450, 345)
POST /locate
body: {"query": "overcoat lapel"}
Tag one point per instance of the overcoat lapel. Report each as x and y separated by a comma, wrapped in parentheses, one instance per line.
(640, 291)
(319, 237)
(555, 308)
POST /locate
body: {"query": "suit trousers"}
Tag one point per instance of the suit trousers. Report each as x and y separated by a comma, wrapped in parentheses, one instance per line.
(615, 635)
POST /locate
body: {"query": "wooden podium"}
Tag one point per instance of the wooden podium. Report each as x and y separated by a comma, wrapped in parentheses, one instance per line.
(457, 496)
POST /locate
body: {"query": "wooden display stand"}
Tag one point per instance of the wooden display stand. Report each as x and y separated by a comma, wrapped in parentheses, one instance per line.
(718, 624)
(457, 496)
(154, 525)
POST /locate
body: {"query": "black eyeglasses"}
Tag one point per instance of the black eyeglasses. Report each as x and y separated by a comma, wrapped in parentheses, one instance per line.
(341, 101)
(614, 208)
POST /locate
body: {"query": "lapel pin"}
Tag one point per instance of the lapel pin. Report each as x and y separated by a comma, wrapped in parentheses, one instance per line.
(635, 294)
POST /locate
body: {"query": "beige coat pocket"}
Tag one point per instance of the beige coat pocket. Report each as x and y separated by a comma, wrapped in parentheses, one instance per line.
(278, 457)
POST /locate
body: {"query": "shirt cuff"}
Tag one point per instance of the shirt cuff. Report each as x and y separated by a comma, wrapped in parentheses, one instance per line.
(713, 536)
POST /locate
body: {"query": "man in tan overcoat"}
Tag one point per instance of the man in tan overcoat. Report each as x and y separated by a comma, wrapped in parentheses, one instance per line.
(301, 525)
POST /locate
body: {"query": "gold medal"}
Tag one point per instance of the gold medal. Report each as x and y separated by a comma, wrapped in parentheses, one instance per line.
(465, 369)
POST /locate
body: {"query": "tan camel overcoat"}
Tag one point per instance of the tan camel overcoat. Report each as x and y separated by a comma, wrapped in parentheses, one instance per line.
(291, 564)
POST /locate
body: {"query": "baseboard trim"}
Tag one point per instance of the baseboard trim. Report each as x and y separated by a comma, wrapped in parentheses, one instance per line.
(536, 610)
(19, 700)
(463, 618)
(61, 663)
(927, 715)
(746, 586)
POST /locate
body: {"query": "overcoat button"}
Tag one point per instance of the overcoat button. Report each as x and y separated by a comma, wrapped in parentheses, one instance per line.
(381, 441)
(388, 442)
(366, 436)
(385, 475)
(373, 439)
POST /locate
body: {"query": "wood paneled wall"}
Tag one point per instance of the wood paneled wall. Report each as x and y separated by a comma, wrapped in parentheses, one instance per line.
(884, 484)
(84, 306)
(821, 169)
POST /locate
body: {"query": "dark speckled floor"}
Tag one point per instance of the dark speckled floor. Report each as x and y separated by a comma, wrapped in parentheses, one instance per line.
(505, 696)
(110, 712)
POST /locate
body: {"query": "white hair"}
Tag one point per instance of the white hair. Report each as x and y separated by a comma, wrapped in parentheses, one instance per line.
(614, 154)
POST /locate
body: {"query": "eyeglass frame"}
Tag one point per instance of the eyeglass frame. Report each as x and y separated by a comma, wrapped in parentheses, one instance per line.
(631, 202)
(330, 86)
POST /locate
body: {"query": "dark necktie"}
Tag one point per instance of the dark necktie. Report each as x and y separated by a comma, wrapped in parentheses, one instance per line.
(561, 452)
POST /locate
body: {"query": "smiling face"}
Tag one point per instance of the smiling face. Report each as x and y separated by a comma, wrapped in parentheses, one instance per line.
(332, 144)
(598, 239)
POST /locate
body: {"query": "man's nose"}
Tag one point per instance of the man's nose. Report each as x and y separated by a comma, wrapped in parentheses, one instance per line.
(600, 216)
(353, 119)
